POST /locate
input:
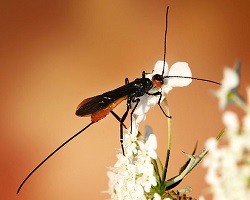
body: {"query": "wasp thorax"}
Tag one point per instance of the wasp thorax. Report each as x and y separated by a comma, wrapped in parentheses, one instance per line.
(158, 80)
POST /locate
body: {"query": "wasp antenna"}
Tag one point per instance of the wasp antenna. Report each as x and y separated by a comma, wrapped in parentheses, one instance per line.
(194, 78)
(206, 80)
(57, 149)
(165, 41)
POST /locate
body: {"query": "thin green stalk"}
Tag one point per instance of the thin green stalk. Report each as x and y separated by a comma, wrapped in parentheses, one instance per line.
(164, 172)
(158, 178)
(160, 163)
(220, 134)
(238, 100)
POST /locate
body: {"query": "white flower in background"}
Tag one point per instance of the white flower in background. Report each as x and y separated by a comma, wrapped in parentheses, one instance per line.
(180, 69)
(229, 165)
(229, 86)
(246, 119)
(228, 169)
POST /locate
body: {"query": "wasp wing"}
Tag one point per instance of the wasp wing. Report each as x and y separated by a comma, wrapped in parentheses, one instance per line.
(106, 101)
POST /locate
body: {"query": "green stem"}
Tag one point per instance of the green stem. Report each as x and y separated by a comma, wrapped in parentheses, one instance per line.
(220, 134)
(164, 172)
(238, 101)
(158, 178)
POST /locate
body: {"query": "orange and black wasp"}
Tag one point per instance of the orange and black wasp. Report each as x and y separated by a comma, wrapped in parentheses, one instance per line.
(100, 106)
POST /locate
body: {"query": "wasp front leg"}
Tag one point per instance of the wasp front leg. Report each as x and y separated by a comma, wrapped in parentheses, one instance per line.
(159, 102)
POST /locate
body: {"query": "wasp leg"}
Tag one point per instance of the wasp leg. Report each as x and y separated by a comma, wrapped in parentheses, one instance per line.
(143, 74)
(118, 118)
(132, 112)
(126, 81)
(121, 129)
(159, 102)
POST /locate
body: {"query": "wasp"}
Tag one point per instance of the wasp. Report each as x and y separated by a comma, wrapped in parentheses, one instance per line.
(98, 107)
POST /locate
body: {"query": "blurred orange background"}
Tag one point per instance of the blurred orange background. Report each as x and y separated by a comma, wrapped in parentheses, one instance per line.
(56, 53)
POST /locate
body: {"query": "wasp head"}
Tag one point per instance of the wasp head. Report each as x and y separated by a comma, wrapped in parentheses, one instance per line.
(158, 80)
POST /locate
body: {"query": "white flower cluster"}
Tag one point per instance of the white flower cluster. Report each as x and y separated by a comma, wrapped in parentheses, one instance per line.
(133, 174)
(230, 83)
(229, 165)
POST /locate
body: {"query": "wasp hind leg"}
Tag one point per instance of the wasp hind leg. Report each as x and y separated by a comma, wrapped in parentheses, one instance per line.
(121, 129)
(124, 118)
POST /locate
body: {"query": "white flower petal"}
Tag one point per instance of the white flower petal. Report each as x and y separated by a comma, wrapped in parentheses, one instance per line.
(152, 142)
(142, 106)
(166, 89)
(211, 144)
(157, 196)
(153, 100)
(231, 78)
(222, 96)
(159, 66)
(231, 121)
(146, 102)
(179, 69)
(140, 118)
